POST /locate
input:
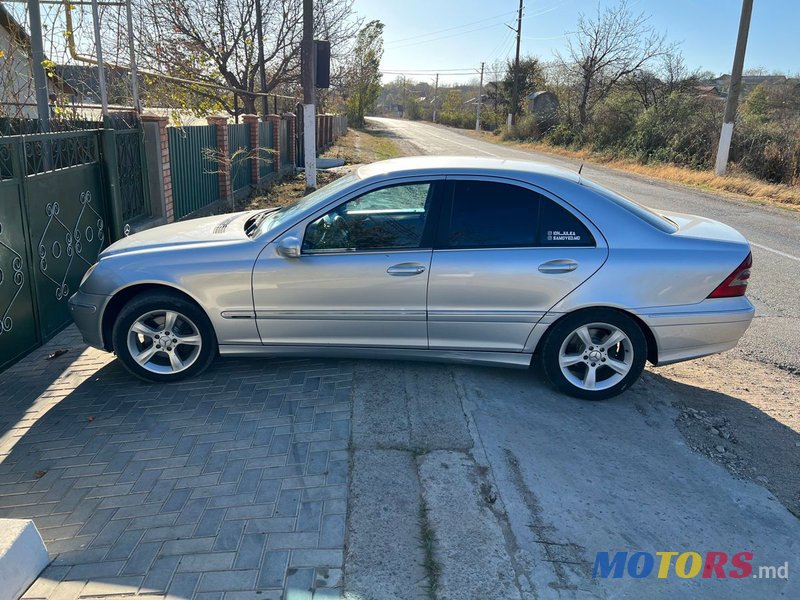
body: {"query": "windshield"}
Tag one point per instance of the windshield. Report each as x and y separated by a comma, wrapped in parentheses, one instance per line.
(645, 214)
(286, 214)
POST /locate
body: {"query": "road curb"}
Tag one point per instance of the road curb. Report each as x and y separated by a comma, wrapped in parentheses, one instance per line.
(22, 556)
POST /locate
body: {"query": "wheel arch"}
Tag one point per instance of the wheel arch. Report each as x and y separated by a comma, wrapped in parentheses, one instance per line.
(652, 345)
(122, 296)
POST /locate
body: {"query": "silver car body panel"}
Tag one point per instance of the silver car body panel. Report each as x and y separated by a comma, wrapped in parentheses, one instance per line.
(345, 303)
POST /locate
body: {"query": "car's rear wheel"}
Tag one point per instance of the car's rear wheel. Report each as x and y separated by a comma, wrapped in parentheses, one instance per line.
(594, 354)
(163, 337)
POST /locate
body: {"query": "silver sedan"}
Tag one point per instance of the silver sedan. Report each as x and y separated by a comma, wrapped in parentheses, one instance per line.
(480, 261)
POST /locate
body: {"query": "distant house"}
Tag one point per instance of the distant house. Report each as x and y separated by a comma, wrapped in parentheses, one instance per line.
(17, 90)
(85, 81)
(708, 90)
(723, 82)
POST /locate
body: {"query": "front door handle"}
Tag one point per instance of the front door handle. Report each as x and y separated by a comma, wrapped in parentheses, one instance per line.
(405, 269)
(560, 265)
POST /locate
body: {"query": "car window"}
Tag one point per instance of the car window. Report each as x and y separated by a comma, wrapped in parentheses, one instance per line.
(645, 214)
(284, 215)
(559, 227)
(485, 214)
(388, 218)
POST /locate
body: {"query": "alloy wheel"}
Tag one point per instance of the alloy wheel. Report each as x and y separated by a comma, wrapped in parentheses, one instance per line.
(596, 356)
(164, 342)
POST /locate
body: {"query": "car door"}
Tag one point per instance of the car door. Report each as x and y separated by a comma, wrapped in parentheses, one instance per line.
(505, 253)
(361, 275)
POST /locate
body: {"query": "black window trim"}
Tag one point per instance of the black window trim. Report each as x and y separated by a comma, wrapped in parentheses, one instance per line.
(446, 202)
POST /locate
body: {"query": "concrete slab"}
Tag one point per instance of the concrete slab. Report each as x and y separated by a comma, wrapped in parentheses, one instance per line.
(578, 478)
(470, 544)
(384, 554)
(22, 557)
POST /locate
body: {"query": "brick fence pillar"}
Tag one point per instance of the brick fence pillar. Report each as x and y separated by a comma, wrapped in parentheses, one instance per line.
(223, 160)
(276, 141)
(166, 170)
(292, 119)
(255, 153)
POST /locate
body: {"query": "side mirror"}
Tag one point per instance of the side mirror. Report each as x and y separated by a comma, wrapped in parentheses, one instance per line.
(289, 247)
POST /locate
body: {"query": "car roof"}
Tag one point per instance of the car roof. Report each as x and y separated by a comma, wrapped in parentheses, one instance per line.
(465, 165)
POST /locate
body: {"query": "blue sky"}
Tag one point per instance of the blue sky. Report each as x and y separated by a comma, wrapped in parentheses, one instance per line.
(423, 36)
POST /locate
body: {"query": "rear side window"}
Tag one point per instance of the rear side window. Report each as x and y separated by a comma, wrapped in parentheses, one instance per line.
(485, 214)
(559, 227)
(645, 214)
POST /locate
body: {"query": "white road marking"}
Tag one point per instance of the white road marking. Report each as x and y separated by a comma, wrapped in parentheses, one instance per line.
(778, 252)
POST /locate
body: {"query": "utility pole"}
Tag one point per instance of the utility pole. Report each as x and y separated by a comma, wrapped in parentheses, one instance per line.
(403, 114)
(733, 92)
(39, 76)
(101, 70)
(309, 117)
(480, 98)
(512, 115)
(137, 105)
(435, 96)
(262, 68)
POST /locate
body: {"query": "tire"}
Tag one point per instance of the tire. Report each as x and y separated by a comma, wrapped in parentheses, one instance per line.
(142, 346)
(569, 357)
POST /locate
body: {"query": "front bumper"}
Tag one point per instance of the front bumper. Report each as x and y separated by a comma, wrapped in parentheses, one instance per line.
(709, 327)
(87, 312)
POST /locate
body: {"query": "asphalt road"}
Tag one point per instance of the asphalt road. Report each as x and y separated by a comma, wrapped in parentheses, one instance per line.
(774, 234)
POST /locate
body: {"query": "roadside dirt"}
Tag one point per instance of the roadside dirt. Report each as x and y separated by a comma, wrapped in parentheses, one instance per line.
(744, 416)
(355, 147)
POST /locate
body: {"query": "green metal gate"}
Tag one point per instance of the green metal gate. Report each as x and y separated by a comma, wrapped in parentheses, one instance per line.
(53, 224)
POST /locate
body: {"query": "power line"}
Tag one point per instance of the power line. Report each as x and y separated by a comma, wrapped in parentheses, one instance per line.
(431, 71)
(422, 35)
(445, 37)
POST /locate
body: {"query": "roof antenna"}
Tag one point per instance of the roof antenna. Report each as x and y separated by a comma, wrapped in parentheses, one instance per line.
(580, 169)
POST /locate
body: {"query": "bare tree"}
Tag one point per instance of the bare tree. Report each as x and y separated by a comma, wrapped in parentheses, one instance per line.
(615, 44)
(364, 76)
(215, 42)
(652, 85)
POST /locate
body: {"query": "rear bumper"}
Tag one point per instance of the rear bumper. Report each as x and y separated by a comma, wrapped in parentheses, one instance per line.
(709, 327)
(87, 312)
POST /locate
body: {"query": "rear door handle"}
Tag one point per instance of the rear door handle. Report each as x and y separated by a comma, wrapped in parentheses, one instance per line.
(406, 269)
(560, 265)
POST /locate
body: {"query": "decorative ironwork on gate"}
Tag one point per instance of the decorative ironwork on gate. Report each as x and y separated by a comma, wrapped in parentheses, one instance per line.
(130, 145)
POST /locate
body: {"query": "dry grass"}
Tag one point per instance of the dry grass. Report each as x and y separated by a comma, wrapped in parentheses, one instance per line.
(734, 184)
(364, 146)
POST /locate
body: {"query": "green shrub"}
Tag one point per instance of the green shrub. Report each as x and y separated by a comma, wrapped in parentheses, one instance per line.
(526, 128)
(683, 129)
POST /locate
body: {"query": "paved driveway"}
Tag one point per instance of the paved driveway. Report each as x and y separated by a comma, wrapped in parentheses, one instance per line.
(229, 485)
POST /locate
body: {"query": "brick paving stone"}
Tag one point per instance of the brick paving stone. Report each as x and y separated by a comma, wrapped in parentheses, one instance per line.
(231, 485)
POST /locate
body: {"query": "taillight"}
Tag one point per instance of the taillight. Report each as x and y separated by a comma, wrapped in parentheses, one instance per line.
(735, 284)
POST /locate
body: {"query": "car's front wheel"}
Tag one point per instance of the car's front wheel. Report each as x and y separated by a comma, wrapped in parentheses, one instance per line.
(163, 337)
(594, 354)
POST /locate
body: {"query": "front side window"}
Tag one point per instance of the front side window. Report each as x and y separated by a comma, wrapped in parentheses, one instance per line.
(389, 218)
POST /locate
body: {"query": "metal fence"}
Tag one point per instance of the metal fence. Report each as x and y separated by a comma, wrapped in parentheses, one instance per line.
(265, 143)
(239, 150)
(285, 152)
(195, 175)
